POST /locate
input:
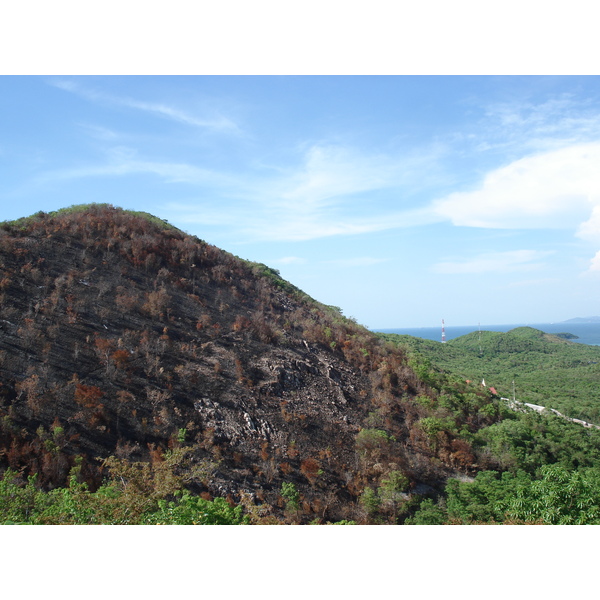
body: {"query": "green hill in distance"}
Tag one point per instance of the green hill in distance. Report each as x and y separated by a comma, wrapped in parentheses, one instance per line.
(546, 369)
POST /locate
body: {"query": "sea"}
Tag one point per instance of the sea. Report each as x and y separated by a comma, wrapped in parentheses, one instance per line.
(587, 333)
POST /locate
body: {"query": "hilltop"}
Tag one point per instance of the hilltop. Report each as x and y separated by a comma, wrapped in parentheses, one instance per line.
(126, 343)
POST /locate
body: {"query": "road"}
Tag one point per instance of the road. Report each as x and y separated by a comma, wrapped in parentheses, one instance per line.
(512, 404)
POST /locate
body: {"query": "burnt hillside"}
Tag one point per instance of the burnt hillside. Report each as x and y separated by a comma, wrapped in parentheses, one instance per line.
(122, 336)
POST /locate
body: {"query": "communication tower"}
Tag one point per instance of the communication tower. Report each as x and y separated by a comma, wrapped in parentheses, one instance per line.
(443, 333)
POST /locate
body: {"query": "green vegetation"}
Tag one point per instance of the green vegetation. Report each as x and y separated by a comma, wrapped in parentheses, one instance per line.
(134, 494)
(557, 497)
(530, 441)
(291, 495)
(547, 370)
(541, 468)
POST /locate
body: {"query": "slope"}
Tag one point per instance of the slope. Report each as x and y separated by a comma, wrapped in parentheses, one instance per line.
(122, 336)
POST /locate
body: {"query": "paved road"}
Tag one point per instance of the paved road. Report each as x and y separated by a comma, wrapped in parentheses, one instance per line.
(540, 409)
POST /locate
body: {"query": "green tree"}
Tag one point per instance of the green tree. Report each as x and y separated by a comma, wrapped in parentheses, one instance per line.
(485, 499)
(370, 501)
(428, 514)
(560, 497)
(291, 494)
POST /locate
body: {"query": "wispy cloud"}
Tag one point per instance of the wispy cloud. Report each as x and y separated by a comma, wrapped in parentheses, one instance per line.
(525, 127)
(215, 122)
(329, 173)
(122, 160)
(331, 192)
(494, 262)
(552, 181)
(322, 224)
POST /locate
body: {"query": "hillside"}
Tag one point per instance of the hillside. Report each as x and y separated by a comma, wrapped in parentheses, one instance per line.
(537, 467)
(547, 369)
(131, 352)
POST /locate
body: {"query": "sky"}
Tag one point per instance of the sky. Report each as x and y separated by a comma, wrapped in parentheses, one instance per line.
(402, 199)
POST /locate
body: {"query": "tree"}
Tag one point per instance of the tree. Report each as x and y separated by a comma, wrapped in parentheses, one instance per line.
(370, 501)
(291, 494)
(559, 498)
(428, 514)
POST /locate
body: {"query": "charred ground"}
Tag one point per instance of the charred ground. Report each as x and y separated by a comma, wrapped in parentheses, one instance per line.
(122, 336)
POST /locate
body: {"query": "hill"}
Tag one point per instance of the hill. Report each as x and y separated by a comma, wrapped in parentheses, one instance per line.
(537, 467)
(547, 369)
(137, 357)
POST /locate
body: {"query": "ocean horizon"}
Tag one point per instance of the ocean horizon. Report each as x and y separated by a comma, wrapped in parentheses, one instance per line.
(587, 333)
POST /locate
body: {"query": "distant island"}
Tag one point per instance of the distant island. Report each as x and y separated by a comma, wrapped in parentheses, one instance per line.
(583, 320)
(566, 336)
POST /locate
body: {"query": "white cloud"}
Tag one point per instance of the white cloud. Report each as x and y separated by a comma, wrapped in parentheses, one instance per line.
(494, 262)
(252, 223)
(590, 229)
(595, 263)
(556, 189)
(219, 122)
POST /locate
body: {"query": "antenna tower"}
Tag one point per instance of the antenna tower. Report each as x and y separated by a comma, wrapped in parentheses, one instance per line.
(443, 333)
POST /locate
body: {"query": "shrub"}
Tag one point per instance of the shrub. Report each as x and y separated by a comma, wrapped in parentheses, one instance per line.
(370, 501)
(372, 443)
(291, 494)
(311, 469)
(194, 510)
(428, 514)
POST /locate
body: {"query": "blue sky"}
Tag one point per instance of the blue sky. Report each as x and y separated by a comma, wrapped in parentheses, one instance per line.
(401, 199)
